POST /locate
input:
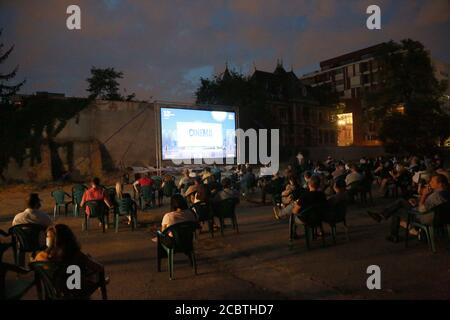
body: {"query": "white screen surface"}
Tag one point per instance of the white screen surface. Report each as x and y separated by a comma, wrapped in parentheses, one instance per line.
(187, 134)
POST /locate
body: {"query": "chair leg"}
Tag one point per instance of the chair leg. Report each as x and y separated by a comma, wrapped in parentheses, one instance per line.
(222, 225)
(308, 236)
(333, 233)
(194, 262)
(431, 239)
(406, 235)
(170, 263)
(323, 236)
(54, 212)
(211, 227)
(116, 222)
(236, 224)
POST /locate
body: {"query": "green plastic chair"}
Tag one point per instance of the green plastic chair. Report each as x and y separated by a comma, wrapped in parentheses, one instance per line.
(181, 242)
(441, 219)
(203, 213)
(14, 289)
(98, 210)
(226, 209)
(77, 196)
(169, 189)
(27, 238)
(334, 216)
(311, 219)
(60, 201)
(146, 197)
(51, 279)
(126, 206)
(157, 182)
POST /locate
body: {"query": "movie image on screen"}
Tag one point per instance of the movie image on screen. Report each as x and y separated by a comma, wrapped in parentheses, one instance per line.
(197, 134)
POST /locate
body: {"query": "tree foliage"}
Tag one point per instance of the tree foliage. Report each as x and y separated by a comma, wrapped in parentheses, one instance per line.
(408, 81)
(103, 84)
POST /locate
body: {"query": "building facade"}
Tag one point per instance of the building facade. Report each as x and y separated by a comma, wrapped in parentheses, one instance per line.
(302, 121)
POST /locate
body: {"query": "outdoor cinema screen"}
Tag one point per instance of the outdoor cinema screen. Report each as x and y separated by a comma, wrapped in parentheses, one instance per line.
(197, 134)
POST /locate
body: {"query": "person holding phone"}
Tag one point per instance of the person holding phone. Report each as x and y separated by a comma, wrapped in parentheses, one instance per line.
(431, 195)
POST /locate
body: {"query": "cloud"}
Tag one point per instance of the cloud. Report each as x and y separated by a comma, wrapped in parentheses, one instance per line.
(162, 46)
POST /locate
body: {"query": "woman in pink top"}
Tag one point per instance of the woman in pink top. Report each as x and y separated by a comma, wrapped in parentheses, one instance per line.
(95, 193)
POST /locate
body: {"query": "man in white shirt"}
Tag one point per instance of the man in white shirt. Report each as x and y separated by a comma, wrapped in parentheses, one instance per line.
(32, 214)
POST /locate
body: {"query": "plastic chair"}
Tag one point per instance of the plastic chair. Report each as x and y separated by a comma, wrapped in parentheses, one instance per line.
(97, 209)
(59, 197)
(226, 209)
(27, 238)
(335, 215)
(182, 240)
(311, 219)
(77, 196)
(13, 289)
(125, 206)
(203, 212)
(51, 281)
(146, 197)
(441, 219)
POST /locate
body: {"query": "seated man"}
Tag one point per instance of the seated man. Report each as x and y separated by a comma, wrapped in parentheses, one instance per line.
(340, 194)
(312, 197)
(431, 196)
(32, 214)
(226, 192)
(142, 182)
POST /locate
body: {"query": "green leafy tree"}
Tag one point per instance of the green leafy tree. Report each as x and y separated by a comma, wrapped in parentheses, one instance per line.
(408, 103)
(103, 84)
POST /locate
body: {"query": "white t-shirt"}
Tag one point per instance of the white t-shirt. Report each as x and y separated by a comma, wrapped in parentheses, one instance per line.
(174, 217)
(32, 216)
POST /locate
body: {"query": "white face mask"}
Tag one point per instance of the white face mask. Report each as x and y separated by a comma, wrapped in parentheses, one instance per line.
(48, 242)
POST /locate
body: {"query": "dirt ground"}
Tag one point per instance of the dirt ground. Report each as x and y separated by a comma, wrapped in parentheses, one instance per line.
(257, 263)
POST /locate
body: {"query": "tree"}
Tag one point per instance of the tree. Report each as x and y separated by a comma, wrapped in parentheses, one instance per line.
(408, 103)
(6, 89)
(103, 84)
(8, 121)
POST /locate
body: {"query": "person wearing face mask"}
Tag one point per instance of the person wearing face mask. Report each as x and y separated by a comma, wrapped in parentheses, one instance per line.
(63, 247)
(32, 214)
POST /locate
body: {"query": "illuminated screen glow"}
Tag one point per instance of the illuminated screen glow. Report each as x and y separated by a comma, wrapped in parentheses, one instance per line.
(197, 134)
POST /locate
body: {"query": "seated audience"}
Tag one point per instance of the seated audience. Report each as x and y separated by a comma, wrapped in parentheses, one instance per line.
(436, 193)
(180, 212)
(32, 214)
(142, 182)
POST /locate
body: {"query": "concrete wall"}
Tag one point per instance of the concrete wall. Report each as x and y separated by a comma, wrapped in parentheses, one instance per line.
(134, 144)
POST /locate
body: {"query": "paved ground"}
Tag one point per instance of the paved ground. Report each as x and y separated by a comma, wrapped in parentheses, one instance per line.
(258, 262)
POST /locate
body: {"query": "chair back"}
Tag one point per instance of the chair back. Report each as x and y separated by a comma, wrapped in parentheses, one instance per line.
(4, 245)
(126, 206)
(79, 187)
(59, 196)
(226, 208)
(96, 208)
(52, 278)
(442, 214)
(156, 182)
(169, 188)
(77, 196)
(28, 237)
(313, 215)
(202, 211)
(183, 236)
(147, 193)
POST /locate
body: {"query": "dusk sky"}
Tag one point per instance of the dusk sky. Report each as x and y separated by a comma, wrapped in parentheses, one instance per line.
(164, 47)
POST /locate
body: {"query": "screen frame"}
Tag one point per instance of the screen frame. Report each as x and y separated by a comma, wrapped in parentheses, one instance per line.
(181, 106)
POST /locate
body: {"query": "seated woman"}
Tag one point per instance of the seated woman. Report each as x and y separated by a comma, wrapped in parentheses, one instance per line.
(95, 193)
(288, 196)
(63, 247)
